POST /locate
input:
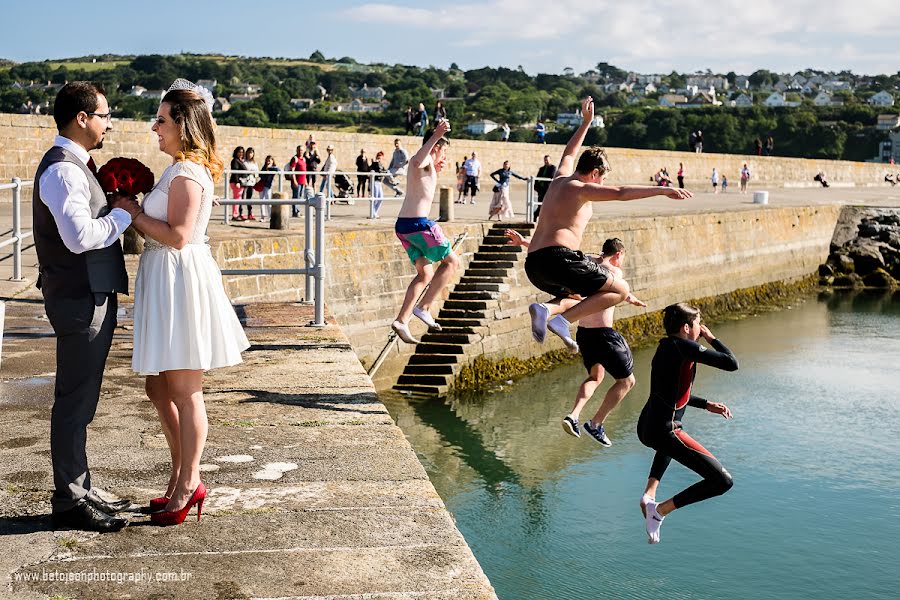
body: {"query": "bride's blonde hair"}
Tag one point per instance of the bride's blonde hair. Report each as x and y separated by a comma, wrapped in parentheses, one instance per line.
(198, 132)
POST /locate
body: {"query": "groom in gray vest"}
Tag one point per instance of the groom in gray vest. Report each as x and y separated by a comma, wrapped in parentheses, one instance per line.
(81, 271)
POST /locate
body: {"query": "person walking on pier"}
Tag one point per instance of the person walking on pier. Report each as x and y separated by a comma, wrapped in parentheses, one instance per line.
(397, 167)
(659, 426)
(184, 323)
(555, 264)
(422, 238)
(501, 206)
(745, 177)
(81, 271)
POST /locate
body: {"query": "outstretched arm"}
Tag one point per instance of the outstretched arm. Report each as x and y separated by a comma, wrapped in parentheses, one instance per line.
(515, 238)
(604, 193)
(567, 163)
(419, 157)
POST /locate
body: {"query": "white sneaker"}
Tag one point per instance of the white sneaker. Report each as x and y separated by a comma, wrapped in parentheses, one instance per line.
(654, 521)
(560, 326)
(426, 318)
(539, 315)
(402, 331)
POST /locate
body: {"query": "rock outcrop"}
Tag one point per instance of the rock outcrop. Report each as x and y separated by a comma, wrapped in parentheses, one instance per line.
(865, 250)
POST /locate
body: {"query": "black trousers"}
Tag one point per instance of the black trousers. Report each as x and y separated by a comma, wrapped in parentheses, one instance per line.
(84, 329)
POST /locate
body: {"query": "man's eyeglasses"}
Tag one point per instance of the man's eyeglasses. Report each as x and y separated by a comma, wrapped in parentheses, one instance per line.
(105, 116)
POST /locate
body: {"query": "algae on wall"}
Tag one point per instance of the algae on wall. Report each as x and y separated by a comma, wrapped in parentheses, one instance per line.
(639, 330)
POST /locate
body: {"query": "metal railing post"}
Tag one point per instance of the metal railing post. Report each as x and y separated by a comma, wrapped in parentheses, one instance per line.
(280, 183)
(320, 263)
(371, 195)
(307, 247)
(225, 195)
(529, 200)
(17, 228)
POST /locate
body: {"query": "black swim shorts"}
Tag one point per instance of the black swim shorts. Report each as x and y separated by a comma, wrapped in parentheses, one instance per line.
(605, 346)
(562, 272)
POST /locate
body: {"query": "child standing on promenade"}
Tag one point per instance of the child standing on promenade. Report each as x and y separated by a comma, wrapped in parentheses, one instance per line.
(554, 264)
(659, 426)
(421, 237)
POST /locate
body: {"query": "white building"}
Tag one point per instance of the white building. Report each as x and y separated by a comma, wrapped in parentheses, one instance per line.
(153, 94)
(137, 90)
(777, 99)
(823, 98)
(366, 93)
(882, 98)
(708, 81)
(887, 122)
(302, 103)
(672, 100)
(742, 101)
(209, 84)
(742, 82)
(574, 119)
(481, 127)
(238, 98)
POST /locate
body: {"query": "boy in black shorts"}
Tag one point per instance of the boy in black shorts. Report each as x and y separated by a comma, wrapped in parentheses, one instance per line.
(603, 350)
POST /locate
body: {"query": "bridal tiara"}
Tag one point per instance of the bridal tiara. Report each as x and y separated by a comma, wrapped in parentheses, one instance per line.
(184, 84)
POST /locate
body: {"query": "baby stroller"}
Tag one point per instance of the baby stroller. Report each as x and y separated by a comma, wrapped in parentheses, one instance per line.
(343, 187)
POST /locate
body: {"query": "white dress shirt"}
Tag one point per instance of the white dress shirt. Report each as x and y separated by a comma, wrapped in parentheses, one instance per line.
(66, 192)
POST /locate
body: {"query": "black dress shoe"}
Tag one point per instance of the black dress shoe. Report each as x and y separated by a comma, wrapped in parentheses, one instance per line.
(86, 517)
(109, 508)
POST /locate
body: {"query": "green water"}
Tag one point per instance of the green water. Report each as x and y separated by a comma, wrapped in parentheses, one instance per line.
(813, 447)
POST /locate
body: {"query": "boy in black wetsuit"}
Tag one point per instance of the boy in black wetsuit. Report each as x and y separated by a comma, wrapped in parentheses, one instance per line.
(659, 426)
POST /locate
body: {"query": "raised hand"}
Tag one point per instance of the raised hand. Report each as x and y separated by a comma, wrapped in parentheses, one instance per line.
(587, 110)
(442, 127)
(706, 334)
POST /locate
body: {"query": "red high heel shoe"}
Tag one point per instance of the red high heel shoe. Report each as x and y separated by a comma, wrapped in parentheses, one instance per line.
(158, 503)
(176, 517)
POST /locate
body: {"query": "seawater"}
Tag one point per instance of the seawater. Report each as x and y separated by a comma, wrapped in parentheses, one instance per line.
(813, 447)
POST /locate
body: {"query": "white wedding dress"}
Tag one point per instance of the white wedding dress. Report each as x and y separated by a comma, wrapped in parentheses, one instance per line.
(182, 316)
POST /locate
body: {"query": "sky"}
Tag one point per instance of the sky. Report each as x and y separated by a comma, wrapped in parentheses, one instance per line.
(541, 36)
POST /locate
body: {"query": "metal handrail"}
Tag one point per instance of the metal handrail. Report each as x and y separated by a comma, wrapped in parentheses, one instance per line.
(17, 234)
(314, 258)
(531, 202)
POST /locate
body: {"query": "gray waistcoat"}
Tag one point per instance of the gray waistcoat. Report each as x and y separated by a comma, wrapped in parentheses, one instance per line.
(62, 272)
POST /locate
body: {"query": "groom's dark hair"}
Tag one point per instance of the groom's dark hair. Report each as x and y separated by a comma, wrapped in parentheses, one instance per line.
(74, 97)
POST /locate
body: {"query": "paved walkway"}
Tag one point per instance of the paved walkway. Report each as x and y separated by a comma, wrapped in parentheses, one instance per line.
(314, 492)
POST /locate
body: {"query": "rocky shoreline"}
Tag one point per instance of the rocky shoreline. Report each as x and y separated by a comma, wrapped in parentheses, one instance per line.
(865, 250)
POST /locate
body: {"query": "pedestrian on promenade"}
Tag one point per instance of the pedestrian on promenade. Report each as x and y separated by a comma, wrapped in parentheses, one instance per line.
(554, 263)
(409, 120)
(297, 180)
(249, 180)
(362, 166)
(422, 119)
(473, 172)
(422, 238)
(184, 323)
(770, 146)
(81, 271)
(714, 178)
(310, 142)
(234, 183)
(312, 158)
(698, 148)
(377, 190)
(329, 168)
(745, 177)
(439, 111)
(397, 167)
(541, 131)
(659, 426)
(501, 207)
(724, 183)
(504, 133)
(545, 174)
(460, 181)
(757, 144)
(266, 179)
(680, 175)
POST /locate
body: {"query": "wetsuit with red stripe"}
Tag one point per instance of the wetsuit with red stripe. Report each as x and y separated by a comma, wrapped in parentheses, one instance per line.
(659, 427)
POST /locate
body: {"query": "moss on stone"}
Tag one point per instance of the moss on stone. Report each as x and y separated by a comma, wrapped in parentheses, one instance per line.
(639, 330)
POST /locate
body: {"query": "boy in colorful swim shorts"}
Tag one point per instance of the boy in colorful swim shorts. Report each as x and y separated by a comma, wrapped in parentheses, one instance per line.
(421, 237)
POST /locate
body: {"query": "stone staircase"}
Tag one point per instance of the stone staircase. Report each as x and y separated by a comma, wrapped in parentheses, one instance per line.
(464, 315)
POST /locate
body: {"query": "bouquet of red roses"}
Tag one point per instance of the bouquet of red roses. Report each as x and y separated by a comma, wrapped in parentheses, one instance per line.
(126, 176)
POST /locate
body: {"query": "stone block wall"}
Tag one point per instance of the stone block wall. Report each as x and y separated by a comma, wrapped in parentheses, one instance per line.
(668, 259)
(26, 137)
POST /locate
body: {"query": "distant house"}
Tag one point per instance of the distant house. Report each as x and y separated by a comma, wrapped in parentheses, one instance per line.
(323, 93)
(249, 89)
(302, 103)
(153, 94)
(707, 82)
(742, 82)
(481, 127)
(644, 88)
(574, 119)
(438, 93)
(137, 90)
(780, 86)
(809, 89)
(882, 98)
(887, 122)
(238, 98)
(672, 100)
(221, 105)
(701, 100)
(824, 98)
(742, 101)
(366, 93)
(357, 105)
(777, 99)
(834, 86)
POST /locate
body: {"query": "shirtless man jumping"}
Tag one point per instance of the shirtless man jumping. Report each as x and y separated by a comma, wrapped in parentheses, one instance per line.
(421, 237)
(555, 265)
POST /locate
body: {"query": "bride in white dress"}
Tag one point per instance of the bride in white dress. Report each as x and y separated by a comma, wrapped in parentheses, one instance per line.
(184, 323)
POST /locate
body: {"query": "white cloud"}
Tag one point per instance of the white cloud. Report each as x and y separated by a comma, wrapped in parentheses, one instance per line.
(658, 34)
